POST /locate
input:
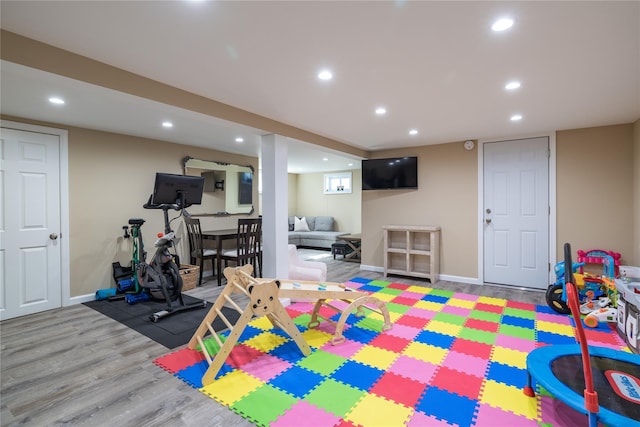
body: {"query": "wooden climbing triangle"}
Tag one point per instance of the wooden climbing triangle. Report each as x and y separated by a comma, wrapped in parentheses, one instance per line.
(264, 300)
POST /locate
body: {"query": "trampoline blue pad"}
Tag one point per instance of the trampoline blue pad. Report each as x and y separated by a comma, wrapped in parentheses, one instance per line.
(616, 378)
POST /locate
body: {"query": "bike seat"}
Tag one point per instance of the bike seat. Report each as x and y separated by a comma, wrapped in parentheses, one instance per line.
(136, 221)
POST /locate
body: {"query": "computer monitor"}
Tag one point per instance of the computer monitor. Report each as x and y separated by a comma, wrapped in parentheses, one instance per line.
(183, 190)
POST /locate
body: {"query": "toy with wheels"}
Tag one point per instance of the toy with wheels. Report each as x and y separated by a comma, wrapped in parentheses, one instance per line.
(555, 294)
(600, 382)
(605, 314)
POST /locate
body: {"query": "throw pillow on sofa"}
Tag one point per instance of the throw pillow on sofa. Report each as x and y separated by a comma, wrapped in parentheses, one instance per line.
(300, 224)
(324, 223)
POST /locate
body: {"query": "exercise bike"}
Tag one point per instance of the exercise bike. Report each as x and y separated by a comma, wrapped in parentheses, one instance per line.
(160, 278)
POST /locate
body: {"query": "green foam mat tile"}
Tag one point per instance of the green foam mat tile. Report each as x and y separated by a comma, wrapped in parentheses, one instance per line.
(322, 362)
(335, 397)
(265, 404)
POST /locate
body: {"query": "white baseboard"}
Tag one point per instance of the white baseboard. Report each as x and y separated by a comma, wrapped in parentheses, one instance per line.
(80, 299)
(372, 268)
(460, 279)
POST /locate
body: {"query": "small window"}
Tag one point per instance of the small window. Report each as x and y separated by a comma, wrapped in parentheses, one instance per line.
(337, 183)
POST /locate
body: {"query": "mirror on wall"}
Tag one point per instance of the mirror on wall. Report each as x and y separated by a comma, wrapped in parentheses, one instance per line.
(228, 188)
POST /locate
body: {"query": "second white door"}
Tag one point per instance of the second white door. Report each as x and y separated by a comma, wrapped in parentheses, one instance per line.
(516, 212)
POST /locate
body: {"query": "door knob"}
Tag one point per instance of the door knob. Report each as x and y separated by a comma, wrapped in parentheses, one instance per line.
(53, 236)
(488, 220)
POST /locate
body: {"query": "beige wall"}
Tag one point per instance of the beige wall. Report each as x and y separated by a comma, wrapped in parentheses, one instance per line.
(293, 193)
(597, 198)
(595, 189)
(309, 200)
(447, 196)
(110, 177)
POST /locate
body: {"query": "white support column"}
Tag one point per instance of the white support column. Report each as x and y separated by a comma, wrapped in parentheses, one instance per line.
(275, 207)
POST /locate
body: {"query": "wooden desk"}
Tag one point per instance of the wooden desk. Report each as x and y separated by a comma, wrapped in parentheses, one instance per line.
(219, 236)
(354, 241)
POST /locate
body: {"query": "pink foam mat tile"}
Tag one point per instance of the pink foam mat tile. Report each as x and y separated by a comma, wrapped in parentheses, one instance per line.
(403, 331)
(488, 416)
(305, 414)
(465, 363)
(515, 343)
(420, 419)
(561, 319)
(411, 295)
(421, 313)
(459, 311)
(465, 297)
(413, 369)
(266, 367)
(554, 412)
(179, 360)
(346, 349)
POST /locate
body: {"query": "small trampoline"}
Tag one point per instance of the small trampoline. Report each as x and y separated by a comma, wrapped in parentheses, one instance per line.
(609, 393)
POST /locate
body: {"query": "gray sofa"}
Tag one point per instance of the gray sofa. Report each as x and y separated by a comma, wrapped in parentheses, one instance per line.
(321, 232)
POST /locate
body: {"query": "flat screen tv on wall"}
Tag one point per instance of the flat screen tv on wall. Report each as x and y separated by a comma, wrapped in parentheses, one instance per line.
(389, 174)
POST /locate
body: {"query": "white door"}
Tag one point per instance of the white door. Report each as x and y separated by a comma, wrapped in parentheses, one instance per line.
(30, 268)
(516, 212)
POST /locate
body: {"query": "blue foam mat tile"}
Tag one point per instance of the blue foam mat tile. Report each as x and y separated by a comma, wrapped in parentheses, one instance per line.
(363, 336)
(449, 407)
(288, 352)
(506, 374)
(551, 338)
(435, 298)
(248, 333)
(518, 321)
(360, 280)
(435, 339)
(357, 375)
(297, 381)
(192, 375)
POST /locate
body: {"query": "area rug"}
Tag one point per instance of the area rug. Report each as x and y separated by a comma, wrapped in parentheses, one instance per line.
(449, 359)
(172, 331)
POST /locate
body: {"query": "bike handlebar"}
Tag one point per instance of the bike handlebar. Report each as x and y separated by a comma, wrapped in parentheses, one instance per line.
(163, 206)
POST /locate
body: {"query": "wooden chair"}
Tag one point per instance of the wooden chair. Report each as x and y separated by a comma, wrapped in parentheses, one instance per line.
(248, 245)
(197, 249)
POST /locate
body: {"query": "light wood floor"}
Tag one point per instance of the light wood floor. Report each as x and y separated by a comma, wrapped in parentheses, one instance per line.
(75, 367)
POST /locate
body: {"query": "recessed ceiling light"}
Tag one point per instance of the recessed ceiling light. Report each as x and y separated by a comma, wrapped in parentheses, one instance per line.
(502, 24)
(167, 124)
(56, 100)
(413, 132)
(239, 139)
(381, 111)
(349, 164)
(512, 85)
(516, 117)
(325, 75)
(324, 159)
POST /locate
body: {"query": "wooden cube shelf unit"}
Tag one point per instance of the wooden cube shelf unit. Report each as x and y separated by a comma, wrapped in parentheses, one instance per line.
(412, 250)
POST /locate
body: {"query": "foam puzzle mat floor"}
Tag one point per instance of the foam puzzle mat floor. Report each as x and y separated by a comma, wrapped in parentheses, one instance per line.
(449, 359)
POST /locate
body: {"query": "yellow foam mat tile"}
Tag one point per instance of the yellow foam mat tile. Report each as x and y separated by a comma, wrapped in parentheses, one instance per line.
(554, 328)
(316, 338)
(373, 410)
(455, 302)
(262, 323)
(265, 341)
(508, 356)
(425, 352)
(443, 328)
(429, 305)
(500, 302)
(508, 398)
(231, 387)
(376, 357)
(385, 297)
(419, 289)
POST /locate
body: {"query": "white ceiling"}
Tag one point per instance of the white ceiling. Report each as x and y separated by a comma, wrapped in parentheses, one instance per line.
(435, 66)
